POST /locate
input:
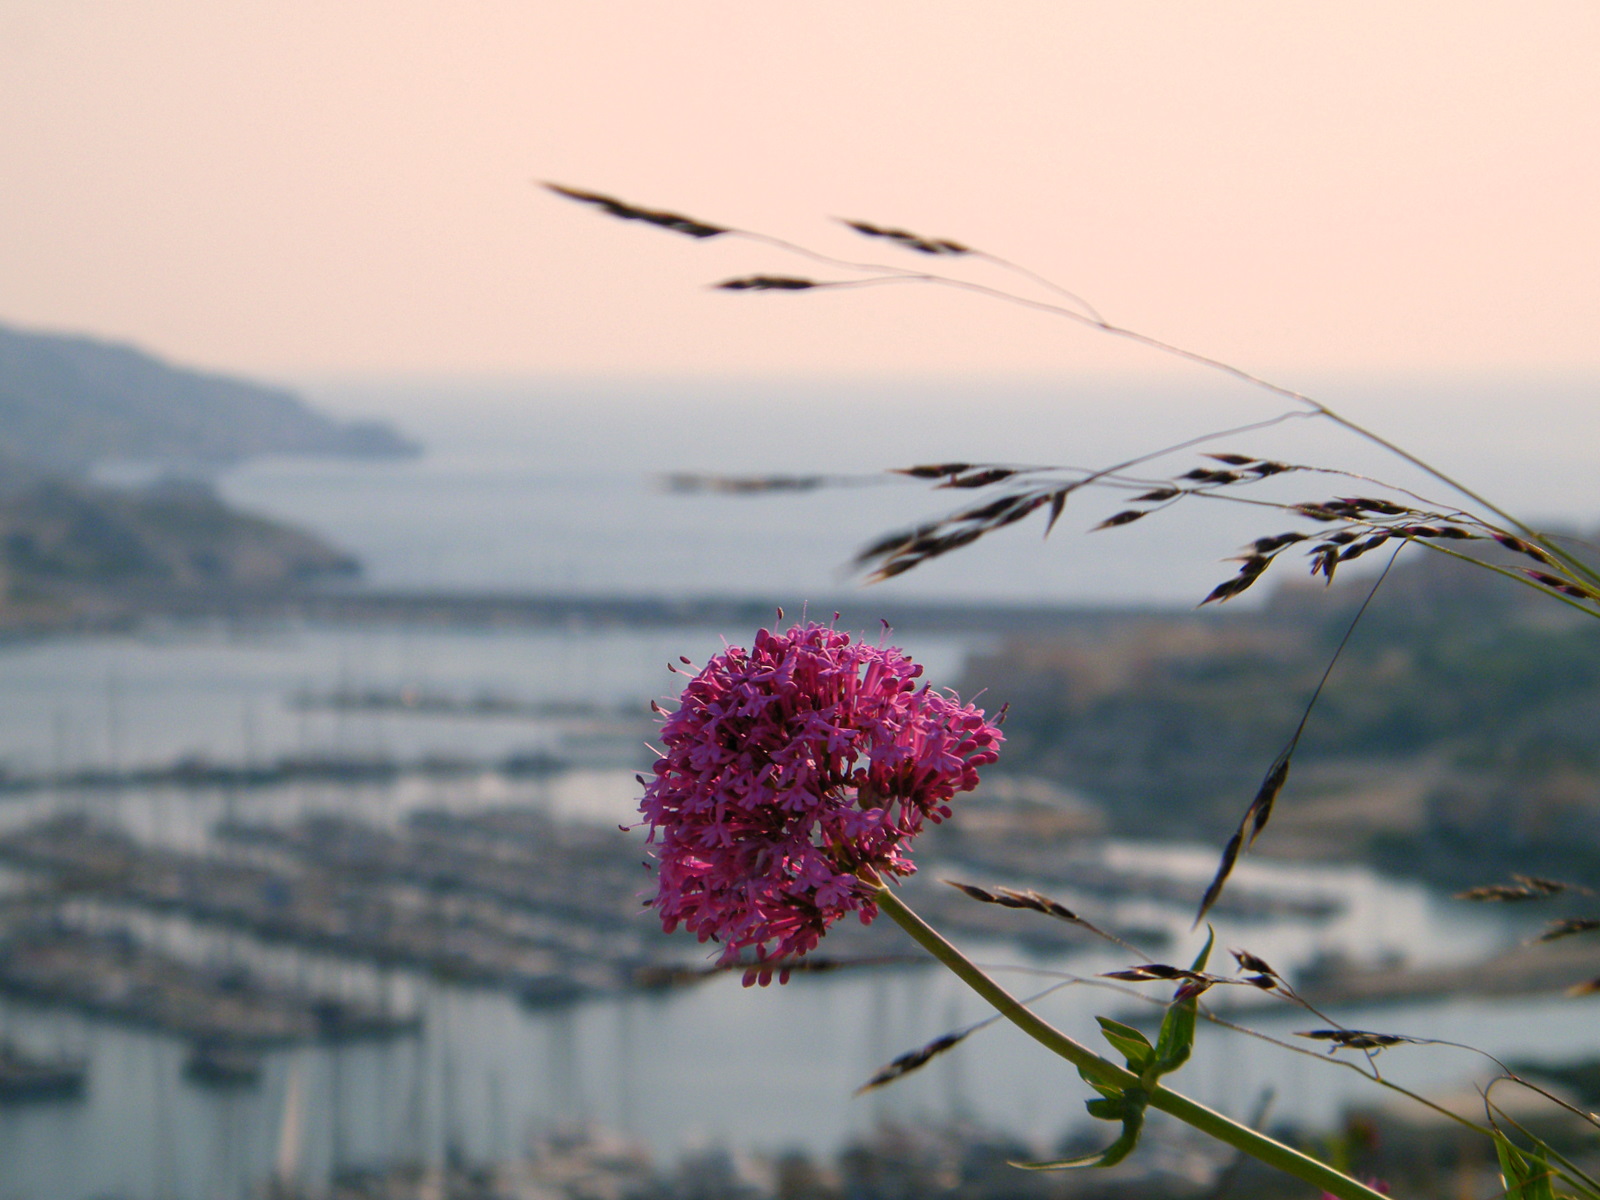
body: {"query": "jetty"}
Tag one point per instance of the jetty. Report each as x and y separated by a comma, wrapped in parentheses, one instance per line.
(604, 746)
(426, 702)
(116, 976)
(511, 898)
(463, 898)
(498, 610)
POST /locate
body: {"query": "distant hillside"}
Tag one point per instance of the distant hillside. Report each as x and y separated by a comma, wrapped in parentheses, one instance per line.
(1455, 736)
(167, 534)
(71, 552)
(68, 401)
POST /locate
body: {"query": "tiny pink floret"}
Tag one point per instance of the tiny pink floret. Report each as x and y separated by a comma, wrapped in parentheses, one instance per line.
(790, 768)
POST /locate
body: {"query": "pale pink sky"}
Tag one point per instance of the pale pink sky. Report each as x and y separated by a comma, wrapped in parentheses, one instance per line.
(294, 186)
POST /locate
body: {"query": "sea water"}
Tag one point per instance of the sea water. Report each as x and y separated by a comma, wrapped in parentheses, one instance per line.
(557, 485)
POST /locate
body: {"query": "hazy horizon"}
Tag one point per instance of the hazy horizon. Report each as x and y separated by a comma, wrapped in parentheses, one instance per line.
(549, 485)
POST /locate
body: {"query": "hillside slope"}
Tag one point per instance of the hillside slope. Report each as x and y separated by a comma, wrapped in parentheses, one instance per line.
(1455, 735)
(68, 401)
(71, 552)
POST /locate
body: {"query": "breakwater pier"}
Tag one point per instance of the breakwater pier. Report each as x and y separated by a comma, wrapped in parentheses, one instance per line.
(116, 976)
(505, 901)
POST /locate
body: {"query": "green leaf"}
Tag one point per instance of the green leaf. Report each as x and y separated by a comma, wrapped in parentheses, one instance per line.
(1105, 1089)
(1525, 1176)
(1174, 1042)
(1176, 1038)
(1128, 1042)
(1133, 1102)
(1107, 1108)
(1200, 960)
(1541, 1185)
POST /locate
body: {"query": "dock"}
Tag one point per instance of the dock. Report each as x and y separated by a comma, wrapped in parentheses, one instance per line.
(115, 976)
(463, 899)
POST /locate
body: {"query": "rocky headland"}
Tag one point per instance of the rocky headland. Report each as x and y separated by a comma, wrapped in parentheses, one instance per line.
(76, 552)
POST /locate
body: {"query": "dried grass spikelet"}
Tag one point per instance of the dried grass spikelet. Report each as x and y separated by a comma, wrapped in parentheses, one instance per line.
(978, 479)
(912, 1061)
(1522, 887)
(911, 241)
(1126, 517)
(1359, 1039)
(1565, 587)
(1251, 824)
(1035, 902)
(691, 482)
(1250, 962)
(1520, 546)
(1191, 984)
(1251, 569)
(623, 211)
(933, 470)
(768, 283)
(904, 550)
(1568, 926)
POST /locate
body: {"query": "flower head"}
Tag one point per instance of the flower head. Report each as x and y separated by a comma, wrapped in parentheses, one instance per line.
(792, 772)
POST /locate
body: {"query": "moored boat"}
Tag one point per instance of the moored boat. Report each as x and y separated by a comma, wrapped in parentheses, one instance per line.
(219, 1063)
(24, 1077)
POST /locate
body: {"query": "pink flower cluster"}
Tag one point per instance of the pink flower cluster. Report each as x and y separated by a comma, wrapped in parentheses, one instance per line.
(790, 771)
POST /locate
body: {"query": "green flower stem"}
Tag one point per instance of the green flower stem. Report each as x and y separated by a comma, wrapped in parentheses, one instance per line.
(1207, 1121)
